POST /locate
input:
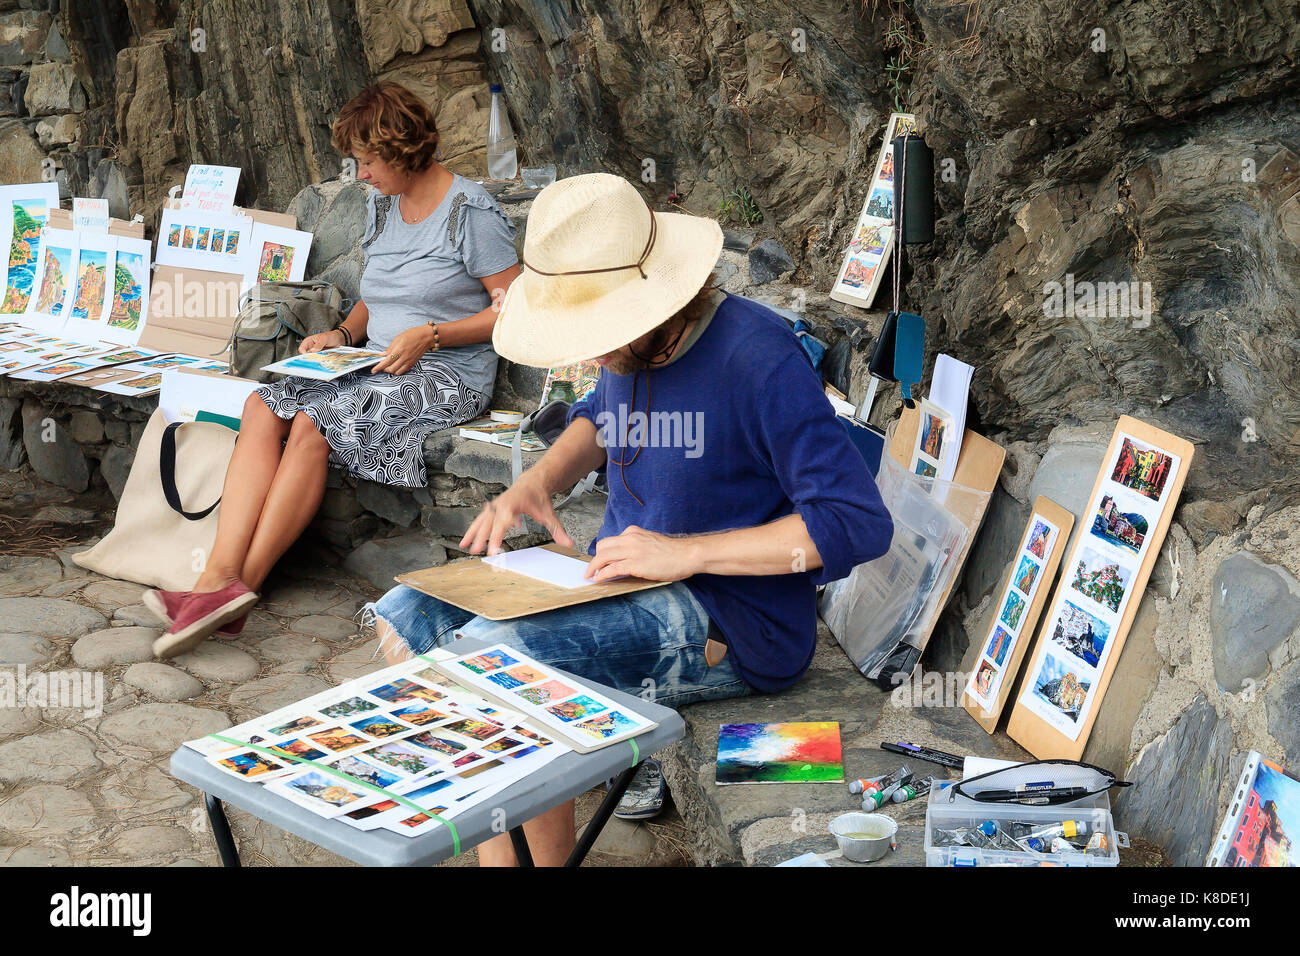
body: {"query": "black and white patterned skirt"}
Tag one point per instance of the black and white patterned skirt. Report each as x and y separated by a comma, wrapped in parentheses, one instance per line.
(376, 423)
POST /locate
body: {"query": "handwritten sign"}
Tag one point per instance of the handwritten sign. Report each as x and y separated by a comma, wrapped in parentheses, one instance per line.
(90, 215)
(210, 188)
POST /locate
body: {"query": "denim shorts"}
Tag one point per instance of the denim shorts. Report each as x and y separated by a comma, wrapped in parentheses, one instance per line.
(648, 643)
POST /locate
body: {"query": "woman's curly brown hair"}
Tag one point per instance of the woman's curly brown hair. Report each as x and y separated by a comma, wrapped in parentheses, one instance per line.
(391, 122)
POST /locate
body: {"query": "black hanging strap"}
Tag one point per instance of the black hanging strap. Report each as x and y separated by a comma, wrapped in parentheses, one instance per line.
(167, 472)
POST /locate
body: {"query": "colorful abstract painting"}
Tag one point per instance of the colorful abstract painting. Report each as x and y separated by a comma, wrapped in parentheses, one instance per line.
(806, 752)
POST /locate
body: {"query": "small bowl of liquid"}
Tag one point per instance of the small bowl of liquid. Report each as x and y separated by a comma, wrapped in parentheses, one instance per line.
(864, 837)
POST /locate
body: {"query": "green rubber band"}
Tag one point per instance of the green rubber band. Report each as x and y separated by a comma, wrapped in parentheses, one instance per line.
(636, 752)
(402, 801)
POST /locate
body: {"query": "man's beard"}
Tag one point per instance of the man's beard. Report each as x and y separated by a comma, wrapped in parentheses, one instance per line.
(652, 345)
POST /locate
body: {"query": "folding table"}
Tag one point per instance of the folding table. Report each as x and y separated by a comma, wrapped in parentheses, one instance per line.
(560, 780)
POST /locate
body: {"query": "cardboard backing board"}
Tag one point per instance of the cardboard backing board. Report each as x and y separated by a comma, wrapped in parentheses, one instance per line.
(1029, 729)
(62, 219)
(500, 595)
(978, 468)
(194, 310)
(1064, 520)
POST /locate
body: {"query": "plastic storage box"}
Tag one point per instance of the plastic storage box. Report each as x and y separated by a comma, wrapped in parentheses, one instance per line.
(944, 814)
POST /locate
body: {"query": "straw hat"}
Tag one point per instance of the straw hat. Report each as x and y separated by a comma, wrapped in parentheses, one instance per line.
(600, 270)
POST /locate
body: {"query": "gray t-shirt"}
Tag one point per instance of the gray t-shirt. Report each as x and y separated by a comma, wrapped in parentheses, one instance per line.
(430, 270)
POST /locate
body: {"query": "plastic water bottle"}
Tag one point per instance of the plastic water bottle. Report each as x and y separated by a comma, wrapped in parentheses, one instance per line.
(501, 160)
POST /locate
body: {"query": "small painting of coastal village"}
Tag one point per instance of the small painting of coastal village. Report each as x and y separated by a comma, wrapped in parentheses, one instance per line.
(29, 217)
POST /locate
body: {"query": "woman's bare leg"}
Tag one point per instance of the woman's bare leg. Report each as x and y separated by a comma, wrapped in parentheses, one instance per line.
(248, 480)
(292, 502)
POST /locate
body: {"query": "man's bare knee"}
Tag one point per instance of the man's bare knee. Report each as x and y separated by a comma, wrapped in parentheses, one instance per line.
(391, 645)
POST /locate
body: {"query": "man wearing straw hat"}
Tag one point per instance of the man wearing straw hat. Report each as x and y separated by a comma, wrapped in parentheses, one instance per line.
(728, 473)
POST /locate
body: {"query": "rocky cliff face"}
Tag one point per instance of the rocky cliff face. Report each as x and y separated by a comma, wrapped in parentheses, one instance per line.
(1153, 144)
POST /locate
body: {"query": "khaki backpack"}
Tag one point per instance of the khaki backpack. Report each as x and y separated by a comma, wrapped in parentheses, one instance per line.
(274, 318)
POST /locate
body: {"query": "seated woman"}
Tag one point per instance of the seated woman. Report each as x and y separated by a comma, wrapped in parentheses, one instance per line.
(439, 255)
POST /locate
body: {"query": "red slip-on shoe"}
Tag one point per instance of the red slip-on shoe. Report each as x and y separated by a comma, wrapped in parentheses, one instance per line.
(165, 604)
(200, 615)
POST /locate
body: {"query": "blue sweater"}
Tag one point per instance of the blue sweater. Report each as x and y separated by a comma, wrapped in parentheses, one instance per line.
(739, 433)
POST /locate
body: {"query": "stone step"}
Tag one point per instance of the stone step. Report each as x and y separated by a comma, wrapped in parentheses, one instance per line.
(762, 825)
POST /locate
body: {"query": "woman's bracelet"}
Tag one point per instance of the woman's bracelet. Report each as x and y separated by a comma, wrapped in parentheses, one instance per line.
(347, 336)
(434, 326)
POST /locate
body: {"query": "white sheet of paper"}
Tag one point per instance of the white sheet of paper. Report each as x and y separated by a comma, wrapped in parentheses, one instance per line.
(949, 389)
(557, 569)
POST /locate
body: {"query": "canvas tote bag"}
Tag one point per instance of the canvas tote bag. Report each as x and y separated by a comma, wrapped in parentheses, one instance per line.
(167, 517)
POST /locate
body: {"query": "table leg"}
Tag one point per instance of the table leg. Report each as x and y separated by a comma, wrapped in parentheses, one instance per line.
(221, 831)
(603, 813)
(523, 854)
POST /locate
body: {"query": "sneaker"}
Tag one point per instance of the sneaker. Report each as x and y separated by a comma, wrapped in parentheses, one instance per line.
(199, 615)
(164, 605)
(644, 797)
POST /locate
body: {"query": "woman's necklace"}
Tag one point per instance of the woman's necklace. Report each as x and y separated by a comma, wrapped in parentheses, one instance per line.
(419, 214)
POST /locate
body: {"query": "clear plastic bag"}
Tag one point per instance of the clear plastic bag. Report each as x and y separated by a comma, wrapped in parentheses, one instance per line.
(884, 612)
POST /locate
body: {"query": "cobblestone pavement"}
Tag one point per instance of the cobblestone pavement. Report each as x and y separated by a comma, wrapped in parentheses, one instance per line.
(94, 789)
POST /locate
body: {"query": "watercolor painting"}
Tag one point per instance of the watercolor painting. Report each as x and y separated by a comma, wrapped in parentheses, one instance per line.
(1037, 545)
(606, 725)
(205, 236)
(437, 744)
(293, 726)
(325, 789)
(54, 281)
(232, 242)
(881, 203)
(1082, 634)
(1012, 610)
(276, 262)
(250, 764)
(577, 708)
(488, 661)
(1025, 575)
(998, 645)
(1123, 529)
(859, 272)
(128, 290)
(804, 752)
(1270, 821)
(174, 237)
(545, 693)
(218, 237)
(29, 217)
(1101, 578)
(932, 429)
(346, 708)
(187, 238)
(92, 274)
(297, 748)
(1060, 687)
(1143, 468)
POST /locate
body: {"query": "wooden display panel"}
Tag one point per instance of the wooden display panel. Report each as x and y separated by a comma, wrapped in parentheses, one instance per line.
(1048, 509)
(1028, 728)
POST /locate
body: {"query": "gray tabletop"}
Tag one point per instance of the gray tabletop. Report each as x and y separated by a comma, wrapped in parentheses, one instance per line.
(560, 780)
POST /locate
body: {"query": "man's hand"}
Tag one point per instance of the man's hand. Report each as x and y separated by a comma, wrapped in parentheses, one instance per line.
(321, 341)
(525, 497)
(405, 350)
(643, 554)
